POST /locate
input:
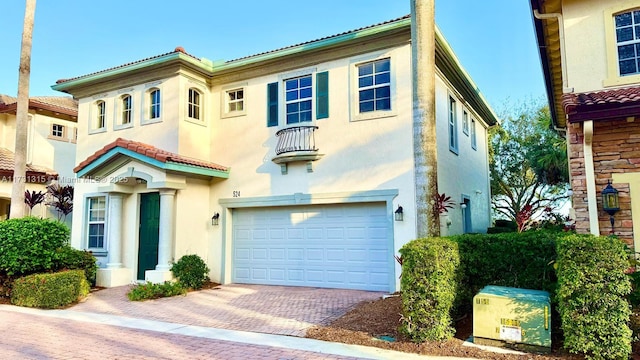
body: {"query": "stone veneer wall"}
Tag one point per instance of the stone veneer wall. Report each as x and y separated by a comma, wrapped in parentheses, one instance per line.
(616, 149)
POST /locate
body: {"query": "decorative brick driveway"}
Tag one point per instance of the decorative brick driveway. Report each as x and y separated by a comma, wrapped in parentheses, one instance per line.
(277, 310)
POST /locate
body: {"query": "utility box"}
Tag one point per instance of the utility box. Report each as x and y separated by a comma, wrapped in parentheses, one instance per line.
(518, 318)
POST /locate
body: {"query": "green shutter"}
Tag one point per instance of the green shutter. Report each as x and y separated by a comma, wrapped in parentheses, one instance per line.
(272, 104)
(322, 95)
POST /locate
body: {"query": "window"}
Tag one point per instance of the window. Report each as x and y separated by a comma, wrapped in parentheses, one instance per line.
(628, 42)
(298, 103)
(235, 100)
(374, 86)
(154, 104)
(474, 144)
(453, 126)
(57, 131)
(126, 110)
(96, 211)
(193, 107)
(465, 122)
(100, 114)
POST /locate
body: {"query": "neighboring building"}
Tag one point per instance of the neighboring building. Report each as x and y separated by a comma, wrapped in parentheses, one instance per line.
(51, 147)
(590, 53)
(284, 167)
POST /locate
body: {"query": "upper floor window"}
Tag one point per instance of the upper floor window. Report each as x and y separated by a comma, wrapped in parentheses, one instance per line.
(453, 126)
(126, 109)
(57, 131)
(465, 122)
(194, 105)
(96, 211)
(374, 86)
(235, 100)
(154, 104)
(299, 100)
(628, 42)
(474, 143)
(100, 115)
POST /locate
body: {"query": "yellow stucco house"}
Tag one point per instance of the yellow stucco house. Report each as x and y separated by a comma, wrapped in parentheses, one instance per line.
(290, 167)
(590, 52)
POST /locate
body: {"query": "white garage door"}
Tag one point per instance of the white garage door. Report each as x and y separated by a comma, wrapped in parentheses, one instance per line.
(334, 246)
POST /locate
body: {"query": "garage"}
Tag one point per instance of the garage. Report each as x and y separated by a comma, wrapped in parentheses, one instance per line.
(344, 246)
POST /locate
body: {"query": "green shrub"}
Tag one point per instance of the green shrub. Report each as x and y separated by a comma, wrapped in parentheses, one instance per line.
(191, 271)
(429, 284)
(68, 258)
(149, 291)
(28, 245)
(49, 291)
(591, 294)
(522, 260)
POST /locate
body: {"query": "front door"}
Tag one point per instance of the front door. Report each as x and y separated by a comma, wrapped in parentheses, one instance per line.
(149, 232)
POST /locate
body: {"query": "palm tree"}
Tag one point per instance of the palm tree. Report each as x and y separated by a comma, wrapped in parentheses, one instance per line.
(424, 116)
(19, 170)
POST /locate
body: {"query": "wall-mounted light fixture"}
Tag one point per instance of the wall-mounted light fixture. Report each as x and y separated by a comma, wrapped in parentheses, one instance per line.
(463, 205)
(215, 219)
(399, 215)
(610, 202)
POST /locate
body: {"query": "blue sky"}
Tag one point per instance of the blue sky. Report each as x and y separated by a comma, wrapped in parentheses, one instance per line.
(494, 40)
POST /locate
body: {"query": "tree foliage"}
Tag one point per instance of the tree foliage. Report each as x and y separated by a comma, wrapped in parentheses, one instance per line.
(528, 163)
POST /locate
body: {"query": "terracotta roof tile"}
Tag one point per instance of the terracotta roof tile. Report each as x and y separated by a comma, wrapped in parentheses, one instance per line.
(149, 151)
(61, 104)
(7, 163)
(178, 49)
(602, 104)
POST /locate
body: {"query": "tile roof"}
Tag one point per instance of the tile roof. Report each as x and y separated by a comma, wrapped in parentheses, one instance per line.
(7, 163)
(602, 104)
(149, 151)
(178, 49)
(62, 104)
(323, 38)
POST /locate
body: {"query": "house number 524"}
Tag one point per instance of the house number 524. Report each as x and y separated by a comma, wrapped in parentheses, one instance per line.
(236, 194)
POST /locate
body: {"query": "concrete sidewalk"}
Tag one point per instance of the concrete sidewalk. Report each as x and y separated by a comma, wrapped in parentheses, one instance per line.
(231, 336)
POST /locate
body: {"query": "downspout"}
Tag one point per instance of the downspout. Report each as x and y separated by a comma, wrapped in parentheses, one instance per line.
(563, 55)
(589, 170)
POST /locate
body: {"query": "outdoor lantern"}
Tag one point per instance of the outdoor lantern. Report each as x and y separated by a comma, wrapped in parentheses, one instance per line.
(463, 205)
(610, 202)
(215, 219)
(399, 215)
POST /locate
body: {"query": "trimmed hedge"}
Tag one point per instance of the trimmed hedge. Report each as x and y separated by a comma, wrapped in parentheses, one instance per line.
(49, 291)
(592, 286)
(68, 258)
(191, 271)
(429, 286)
(150, 291)
(28, 245)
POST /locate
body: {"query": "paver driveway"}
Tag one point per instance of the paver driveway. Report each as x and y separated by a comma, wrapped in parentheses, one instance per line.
(278, 310)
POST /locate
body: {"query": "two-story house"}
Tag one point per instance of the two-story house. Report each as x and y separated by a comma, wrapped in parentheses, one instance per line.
(51, 144)
(290, 167)
(590, 53)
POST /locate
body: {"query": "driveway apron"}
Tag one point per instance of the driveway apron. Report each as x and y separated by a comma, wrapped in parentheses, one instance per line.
(279, 310)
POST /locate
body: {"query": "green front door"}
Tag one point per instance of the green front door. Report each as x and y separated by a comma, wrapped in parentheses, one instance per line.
(149, 231)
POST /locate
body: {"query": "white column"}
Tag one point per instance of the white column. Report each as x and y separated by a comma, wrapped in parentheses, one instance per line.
(115, 230)
(165, 240)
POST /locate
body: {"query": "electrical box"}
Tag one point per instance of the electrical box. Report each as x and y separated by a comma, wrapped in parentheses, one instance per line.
(518, 317)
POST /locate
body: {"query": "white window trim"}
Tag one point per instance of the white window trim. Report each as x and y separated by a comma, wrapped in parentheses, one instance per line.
(224, 100)
(354, 88)
(119, 110)
(93, 116)
(454, 148)
(62, 137)
(613, 71)
(203, 107)
(146, 105)
(282, 96)
(85, 224)
(465, 121)
(474, 134)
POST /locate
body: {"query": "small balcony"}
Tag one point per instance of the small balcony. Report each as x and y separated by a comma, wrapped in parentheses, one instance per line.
(296, 143)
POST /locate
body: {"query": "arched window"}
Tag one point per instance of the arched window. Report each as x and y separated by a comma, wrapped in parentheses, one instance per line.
(194, 105)
(100, 114)
(154, 103)
(126, 109)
